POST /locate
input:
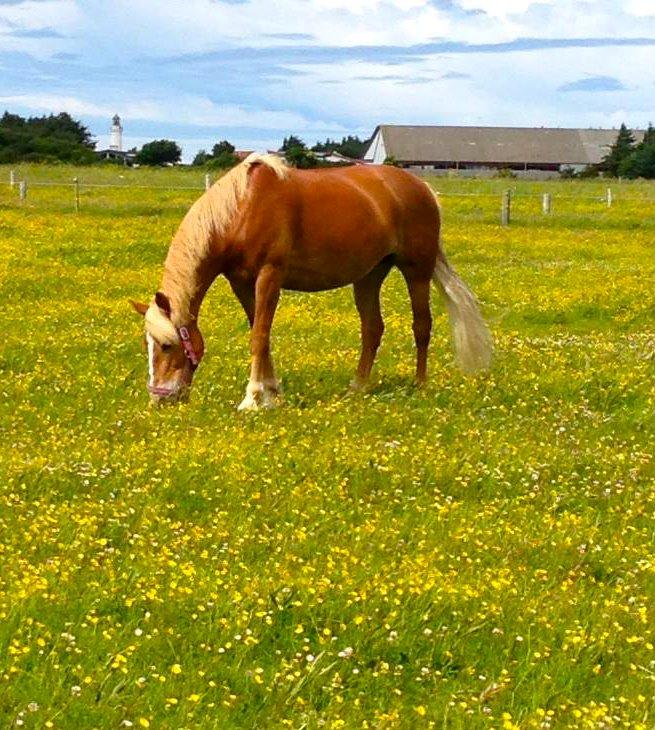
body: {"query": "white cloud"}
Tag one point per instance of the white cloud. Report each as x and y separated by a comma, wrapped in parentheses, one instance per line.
(640, 8)
(117, 41)
(58, 18)
(503, 8)
(181, 110)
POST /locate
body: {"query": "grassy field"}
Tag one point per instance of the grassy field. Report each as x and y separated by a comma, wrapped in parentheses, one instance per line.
(476, 554)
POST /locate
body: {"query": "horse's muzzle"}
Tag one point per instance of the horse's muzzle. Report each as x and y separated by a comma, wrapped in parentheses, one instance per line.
(161, 394)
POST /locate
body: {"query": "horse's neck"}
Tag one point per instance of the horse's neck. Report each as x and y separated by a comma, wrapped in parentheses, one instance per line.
(190, 268)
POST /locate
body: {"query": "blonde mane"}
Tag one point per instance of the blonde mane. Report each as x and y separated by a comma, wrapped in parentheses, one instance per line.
(208, 218)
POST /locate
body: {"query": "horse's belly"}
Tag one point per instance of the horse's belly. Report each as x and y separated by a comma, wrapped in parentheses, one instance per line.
(329, 259)
(309, 280)
(330, 269)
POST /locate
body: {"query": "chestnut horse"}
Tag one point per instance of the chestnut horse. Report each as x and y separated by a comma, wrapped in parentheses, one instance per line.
(268, 227)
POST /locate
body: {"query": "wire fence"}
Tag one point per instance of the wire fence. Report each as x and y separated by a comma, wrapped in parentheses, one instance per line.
(505, 197)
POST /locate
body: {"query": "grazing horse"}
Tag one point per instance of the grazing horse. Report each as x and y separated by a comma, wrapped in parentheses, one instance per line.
(268, 227)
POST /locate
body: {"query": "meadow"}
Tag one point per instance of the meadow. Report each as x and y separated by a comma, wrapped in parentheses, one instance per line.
(479, 553)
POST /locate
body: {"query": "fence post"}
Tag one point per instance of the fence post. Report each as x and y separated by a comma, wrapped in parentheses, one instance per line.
(208, 181)
(76, 184)
(12, 178)
(609, 197)
(547, 203)
(22, 190)
(505, 210)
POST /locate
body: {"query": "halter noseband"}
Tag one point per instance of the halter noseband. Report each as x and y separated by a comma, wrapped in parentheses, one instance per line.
(192, 357)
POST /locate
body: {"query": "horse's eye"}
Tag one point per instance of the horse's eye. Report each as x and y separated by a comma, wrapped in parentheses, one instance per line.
(166, 347)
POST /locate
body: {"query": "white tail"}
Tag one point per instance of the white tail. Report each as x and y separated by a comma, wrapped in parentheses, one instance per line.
(471, 337)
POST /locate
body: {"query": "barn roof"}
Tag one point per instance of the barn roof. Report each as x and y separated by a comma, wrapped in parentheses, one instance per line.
(512, 145)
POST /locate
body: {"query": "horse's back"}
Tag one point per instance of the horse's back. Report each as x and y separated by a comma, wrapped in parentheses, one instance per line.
(341, 222)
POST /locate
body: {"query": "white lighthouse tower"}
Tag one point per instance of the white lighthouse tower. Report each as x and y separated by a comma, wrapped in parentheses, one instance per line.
(116, 135)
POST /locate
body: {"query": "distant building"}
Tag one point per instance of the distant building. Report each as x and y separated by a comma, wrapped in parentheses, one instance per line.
(115, 150)
(336, 158)
(474, 150)
(116, 135)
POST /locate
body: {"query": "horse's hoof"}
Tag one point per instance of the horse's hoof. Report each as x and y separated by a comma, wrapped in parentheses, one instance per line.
(357, 385)
(248, 404)
(270, 398)
(267, 398)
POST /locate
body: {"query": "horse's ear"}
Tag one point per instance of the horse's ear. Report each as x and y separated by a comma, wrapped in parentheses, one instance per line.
(163, 302)
(139, 307)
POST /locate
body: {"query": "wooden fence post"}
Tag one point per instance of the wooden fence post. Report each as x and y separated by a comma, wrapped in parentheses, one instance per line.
(22, 190)
(547, 203)
(208, 181)
(505, 215)
(609, 197)
(12, 178)
(76, 184)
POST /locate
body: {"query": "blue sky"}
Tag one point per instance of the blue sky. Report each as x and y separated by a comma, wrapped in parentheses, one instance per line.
(253, 71)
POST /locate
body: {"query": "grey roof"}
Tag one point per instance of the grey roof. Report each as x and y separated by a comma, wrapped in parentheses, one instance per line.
(511, 145)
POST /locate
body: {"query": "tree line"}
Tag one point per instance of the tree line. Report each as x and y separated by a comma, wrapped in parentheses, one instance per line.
(56, 137)
(627, 158)
(296, 152)
(60, 138)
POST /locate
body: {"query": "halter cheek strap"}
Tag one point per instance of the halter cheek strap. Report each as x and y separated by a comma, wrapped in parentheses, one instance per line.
(189, 351)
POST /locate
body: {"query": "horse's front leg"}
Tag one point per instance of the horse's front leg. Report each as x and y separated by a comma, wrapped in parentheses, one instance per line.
(263, 387)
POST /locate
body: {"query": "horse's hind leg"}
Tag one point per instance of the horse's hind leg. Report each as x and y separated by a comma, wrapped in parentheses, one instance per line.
(419, 293)
(367, 300)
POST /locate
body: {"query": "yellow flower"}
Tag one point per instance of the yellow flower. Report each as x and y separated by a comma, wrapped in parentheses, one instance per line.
(176, 669)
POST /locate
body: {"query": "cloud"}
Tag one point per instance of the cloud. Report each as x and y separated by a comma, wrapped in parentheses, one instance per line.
(184, 110)
(502, 9)
(290, 36)
(36, 33)
(384, 54)
(207, 69)
(640, 8)
(455, 75)
(594, 83)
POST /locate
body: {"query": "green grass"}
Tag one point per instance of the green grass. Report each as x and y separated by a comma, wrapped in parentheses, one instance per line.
(475, 554)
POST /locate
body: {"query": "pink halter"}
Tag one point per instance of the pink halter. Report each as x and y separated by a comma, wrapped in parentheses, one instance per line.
(185, 338)
(191, 355)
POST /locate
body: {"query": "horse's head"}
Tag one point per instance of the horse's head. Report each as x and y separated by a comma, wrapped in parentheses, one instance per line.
(174, 351)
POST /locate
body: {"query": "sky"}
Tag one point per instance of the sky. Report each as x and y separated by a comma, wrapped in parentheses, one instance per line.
(254, 71)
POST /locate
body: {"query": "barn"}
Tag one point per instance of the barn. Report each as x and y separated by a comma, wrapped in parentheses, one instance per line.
(538, 152)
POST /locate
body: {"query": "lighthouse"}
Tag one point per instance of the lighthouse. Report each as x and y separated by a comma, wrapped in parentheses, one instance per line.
(116, 135)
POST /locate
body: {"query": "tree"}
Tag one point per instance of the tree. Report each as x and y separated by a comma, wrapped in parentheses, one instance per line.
(222, 156)
(619, 151)
(353, 146)
(641, 162)
(223, 161)
(290, 142)
(159, 152)
(350, 146)
(55, 137)
(223, 147)
(297, 154)
(202, 158)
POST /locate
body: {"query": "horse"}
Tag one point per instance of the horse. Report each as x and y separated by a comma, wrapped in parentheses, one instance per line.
(267, 227)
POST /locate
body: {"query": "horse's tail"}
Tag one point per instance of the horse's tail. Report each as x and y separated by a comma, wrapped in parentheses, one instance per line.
(471, 337)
